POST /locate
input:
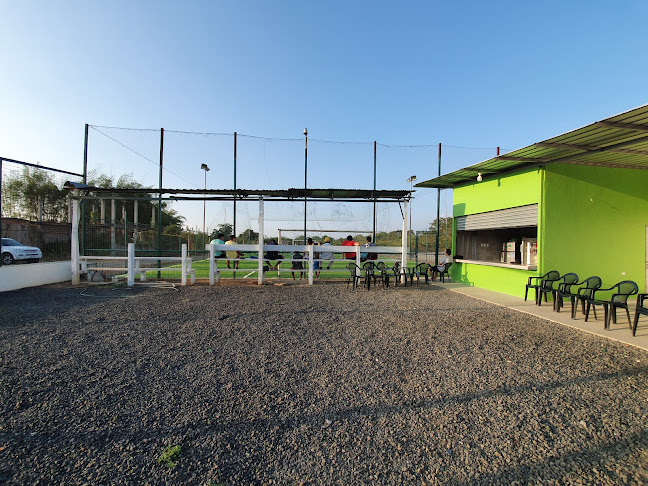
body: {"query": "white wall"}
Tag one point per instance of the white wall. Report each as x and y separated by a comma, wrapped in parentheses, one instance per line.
(21, 275)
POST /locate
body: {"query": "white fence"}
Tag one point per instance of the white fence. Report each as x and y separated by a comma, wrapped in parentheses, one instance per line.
(132, 265)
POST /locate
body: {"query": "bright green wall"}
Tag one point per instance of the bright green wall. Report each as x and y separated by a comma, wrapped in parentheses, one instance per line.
(504, 192)
(595, 222)
(518, 189)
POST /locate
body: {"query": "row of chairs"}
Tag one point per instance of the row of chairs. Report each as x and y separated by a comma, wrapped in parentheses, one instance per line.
(588, 293)
(380, 273)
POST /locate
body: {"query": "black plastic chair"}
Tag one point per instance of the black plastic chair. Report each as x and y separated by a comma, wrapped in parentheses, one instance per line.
(640, 310)
(399, 274)
(443, 271)
(551, 287)
(552, 275)
(577, 292)
(354, 275)
(618, 298)
(369, 273)
(422, 270)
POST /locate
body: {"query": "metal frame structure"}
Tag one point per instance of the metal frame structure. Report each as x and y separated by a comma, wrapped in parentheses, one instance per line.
(84, 192)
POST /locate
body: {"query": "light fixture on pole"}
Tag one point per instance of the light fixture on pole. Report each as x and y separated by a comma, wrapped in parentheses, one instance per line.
(206, 169)
(410, 180)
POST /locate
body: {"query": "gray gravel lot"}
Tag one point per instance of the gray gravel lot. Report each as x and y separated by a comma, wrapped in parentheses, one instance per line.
(310, 385)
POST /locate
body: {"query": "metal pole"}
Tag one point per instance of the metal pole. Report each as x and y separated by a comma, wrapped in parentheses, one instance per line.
(436, 248)
(85, 181)
(204, 209)
(159, 245)
(234, 224)
(305, 176)
(374, 199)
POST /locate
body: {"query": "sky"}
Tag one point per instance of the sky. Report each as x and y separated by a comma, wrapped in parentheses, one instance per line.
(470, 75)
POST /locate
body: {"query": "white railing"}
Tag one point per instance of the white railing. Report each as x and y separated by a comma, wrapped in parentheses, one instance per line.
(132, 265)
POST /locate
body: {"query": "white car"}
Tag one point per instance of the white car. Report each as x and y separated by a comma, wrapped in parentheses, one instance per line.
(13, 251)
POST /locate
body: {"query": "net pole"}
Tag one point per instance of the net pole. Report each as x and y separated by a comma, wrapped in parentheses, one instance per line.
(234, 219)
(436, 248)
(374, 199)
(85, 181)
(159, 242)
(305, 176)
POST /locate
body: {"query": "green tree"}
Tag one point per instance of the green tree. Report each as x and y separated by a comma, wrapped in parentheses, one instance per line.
(25, 192)
(226, 229)
(248, 236)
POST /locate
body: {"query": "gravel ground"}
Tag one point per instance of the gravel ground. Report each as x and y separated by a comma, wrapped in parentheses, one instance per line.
(310, 385)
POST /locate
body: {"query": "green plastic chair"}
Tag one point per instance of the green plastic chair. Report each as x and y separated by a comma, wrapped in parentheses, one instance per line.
(552, 275)
(641, 309)
(618, 298)
(576, 292)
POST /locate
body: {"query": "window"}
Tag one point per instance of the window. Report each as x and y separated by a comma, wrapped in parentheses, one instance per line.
(508, 236)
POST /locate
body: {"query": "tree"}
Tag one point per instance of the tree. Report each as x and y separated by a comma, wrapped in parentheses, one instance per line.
(248, 236)
(31, 193)
(445, 232)
(226, 229)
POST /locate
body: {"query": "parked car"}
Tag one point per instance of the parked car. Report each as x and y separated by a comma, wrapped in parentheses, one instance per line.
(12, 251)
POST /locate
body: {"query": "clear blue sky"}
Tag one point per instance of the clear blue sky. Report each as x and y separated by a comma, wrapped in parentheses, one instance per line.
(467, 74)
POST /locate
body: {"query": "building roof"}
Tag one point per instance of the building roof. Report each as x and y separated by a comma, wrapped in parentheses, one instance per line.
(619, 141)
(243, 194)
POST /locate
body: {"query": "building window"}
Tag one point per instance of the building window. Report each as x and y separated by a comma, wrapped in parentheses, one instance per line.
(507, 236)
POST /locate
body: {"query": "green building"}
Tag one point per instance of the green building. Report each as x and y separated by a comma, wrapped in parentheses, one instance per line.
(577, 202)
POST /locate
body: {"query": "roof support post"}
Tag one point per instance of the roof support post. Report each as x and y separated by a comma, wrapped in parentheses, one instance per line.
(76, 216)
(131, 265)
(212, 252)
(404, 237)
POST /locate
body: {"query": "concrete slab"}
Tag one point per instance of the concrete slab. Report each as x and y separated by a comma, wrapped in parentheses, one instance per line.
(618, 332)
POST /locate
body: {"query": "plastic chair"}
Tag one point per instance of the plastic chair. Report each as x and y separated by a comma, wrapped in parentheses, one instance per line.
(551, 287)
(443, 272)
(369, 273)
(422, 270)
(641, 309)
(552, 275)
(354, 275)
(619, 298)
(577, 292)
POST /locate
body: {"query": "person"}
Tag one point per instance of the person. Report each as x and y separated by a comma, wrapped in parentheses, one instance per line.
(327, 255)
(316, 257)
(365, 255)
(349, 242)
(299, 266)
(218, 241)
(273, 256)
(232, 254)
(446, 258)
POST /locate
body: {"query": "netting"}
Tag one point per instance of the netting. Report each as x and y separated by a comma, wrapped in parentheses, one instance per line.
(277, 163)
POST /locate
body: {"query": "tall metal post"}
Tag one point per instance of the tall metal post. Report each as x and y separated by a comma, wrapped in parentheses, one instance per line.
(438, 229)
(374, 199)
(305, 176)
(85, 181)
(159, 246)
(234, 224)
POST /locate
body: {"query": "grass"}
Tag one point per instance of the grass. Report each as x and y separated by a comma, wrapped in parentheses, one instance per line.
(170, 455)
(202, 270)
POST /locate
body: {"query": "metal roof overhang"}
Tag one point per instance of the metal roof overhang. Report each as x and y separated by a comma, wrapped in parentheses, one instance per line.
(620, 141)
(349, 195)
